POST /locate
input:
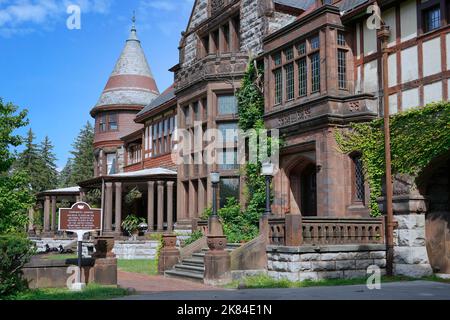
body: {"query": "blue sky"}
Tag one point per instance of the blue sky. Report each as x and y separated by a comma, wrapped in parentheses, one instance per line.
(58, 74)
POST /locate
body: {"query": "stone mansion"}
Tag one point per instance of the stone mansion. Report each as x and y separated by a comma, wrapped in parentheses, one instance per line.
(322, 70)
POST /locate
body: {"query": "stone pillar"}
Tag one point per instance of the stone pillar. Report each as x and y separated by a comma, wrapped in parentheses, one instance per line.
(160, 221)
(53, 206)
(118, 209)
(108, 206)
(30, 219)
(150, 205)
(201, 197)
(47, 214)
(170, 206)
(217, 261)
(293, 230)
(83, 195)
(169, 255)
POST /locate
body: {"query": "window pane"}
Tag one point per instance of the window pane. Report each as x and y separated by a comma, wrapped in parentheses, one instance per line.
(111, 163)
(289, 72)
(289, 54)
(315, 72)
(229, 188)
(227, 104)
(342, 66)
(359, 179)
(432, 19)
(187, 116)
(315, 43)
(228, 132)
(302, 76)
(340, 39)
(278, 86)
(196, 111)
(228, 159)
(113, 121)
(301, 48)
(277, 59)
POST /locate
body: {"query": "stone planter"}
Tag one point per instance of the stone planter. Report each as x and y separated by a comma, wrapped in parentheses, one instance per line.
(216, 243)
(103, 247)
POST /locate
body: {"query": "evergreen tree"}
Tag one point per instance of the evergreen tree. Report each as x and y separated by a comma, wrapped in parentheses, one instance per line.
(83, 156)
(30, 161)
(49, 176)
(65, 174)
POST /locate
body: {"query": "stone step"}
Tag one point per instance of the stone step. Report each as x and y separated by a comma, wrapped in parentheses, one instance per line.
(184, 274)
(199, 254)
(190, 268)
(193, 261)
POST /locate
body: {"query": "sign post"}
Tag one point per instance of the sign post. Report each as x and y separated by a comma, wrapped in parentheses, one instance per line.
(79, 219)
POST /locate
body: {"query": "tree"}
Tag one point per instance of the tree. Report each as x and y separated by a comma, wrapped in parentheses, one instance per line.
(15, 196)
(83, 155)
(49, 176)
(65, 174)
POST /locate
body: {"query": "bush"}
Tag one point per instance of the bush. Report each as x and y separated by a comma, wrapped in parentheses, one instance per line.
(237, 225)
(15, 251)
(193, 237)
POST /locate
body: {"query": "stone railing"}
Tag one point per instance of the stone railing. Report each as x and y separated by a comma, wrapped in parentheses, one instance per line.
(212, 66)
(203, 226)
(294, 230)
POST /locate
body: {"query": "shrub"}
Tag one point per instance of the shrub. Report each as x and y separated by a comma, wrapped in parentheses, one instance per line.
(193, 237)
(15, 251)
(237, 226)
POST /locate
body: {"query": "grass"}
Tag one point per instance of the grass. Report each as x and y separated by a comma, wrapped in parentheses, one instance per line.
(145, 266)
(92, 292)
(264, 281)
(61, 256)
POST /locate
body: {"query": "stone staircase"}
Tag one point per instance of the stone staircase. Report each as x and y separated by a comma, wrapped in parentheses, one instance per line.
(193, 268)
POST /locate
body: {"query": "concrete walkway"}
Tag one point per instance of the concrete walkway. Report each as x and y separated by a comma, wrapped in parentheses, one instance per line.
(143, 283)
(409, 290)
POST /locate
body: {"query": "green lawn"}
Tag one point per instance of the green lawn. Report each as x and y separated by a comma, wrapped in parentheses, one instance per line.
(92, 292)
(61, 256)
(145, 266)
(265, 281)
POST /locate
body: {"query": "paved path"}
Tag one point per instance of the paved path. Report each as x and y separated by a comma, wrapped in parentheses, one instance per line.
(146, 283)
(410, 290)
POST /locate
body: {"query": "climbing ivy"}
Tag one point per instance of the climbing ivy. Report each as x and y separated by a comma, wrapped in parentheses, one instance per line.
(417, 137)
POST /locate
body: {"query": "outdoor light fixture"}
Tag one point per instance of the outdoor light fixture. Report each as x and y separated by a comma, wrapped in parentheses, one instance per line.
(215, 177)
(267, 169)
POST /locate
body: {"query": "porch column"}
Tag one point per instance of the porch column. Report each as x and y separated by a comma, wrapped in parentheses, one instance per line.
(53, 214)
(108, 206)
(201, 198)
(170, 205)
(150, 205)
(83, 195)
(30, 219)
(47, 214)
(118, 219)
(160, 205)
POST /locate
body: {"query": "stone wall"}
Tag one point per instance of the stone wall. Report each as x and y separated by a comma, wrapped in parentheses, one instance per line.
(410, 252)
(315, 263)
(66, 243)
(131, 250)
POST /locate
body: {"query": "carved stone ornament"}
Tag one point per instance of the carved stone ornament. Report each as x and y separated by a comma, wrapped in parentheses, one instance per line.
(217, 243)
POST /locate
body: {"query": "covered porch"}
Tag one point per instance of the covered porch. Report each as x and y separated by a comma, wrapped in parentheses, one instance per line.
(154, 199)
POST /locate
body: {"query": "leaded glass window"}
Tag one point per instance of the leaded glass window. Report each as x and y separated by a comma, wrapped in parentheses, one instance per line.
(302, 77)
(289, 73)
(315, 72)
(227, 104)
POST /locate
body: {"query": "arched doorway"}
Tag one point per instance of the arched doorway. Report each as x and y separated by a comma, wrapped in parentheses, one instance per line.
(303, 188)
(434, 183)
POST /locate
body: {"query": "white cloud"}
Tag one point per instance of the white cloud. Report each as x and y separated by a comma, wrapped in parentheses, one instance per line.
(25, 16)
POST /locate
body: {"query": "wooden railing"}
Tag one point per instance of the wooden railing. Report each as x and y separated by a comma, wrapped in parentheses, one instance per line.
(297, 230)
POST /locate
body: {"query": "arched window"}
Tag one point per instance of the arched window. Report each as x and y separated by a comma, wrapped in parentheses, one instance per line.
(358, 179)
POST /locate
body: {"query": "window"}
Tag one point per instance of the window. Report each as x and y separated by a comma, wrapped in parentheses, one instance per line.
(205, 43)
(358, 178)
(187, 116)
(226, 37)
(432, 18)
(288, 54)
(112, 122)
(315, 72)
(228, 132)
(227, 159)
(163, 129)
(229, 188)
(278, 86)
(342, 66)
(227, 104)
(289, 74)
(340, 39)
(301, 48)
(277, 59)
(197, 115)
(111, 163)
(134, 154)
(302, 76)
(102, 123)
(315, 42)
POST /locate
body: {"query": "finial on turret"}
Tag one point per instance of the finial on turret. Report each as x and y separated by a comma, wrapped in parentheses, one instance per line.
(133, 27)
(133, 35)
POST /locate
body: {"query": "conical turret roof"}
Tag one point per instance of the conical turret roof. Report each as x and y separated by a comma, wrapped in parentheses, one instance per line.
(131, 83)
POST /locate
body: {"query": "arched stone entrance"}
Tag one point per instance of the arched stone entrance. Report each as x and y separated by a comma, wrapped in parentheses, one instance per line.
(302, 175)
(434, 184)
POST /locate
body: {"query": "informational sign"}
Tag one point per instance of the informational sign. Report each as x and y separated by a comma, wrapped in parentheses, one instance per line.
(81, 217)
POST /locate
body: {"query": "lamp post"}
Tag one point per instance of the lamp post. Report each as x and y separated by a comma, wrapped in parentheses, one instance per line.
(384, 34)
(267, 172)
(214, 226)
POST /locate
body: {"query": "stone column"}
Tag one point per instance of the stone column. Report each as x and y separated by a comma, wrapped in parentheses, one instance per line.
(108, 206)
(82, 194)
(47, 214)
(160, 205)
(170, 205)
(53, 227)
(30, 219)
(118, 211)
(201, 197)
(150, 205)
